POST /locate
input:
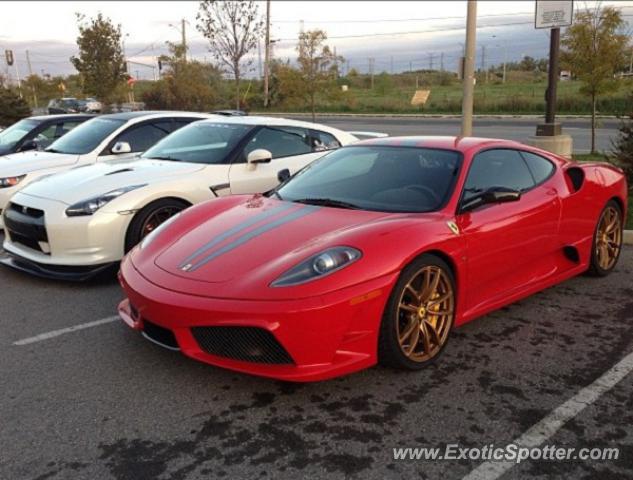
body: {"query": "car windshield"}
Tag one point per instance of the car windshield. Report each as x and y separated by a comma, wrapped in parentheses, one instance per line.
(86, 137)
(16, 132)
(380, 178)
(200, 142)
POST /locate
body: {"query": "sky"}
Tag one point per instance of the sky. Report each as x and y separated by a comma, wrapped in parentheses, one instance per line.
(397, 35)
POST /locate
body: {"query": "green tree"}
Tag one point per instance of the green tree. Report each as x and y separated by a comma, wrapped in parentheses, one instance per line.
(100, 60)
(622, 148)
(12, 107)
(318, 65)
(233, 28)
(186, 85)
(593, 48)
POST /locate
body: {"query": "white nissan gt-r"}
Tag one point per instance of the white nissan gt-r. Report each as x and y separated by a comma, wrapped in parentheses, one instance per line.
(107, 137)
(78, 223)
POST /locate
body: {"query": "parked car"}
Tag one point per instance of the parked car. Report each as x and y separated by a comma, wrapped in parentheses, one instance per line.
(90, 105)
(373, 253)
(64, 105)
(84, 220)
(107, 137)
(37, 133)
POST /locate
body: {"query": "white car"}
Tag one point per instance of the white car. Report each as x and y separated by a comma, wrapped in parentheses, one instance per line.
(78, 223)
(120, 135)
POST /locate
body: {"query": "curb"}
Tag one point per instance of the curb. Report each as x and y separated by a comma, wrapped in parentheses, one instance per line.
(628, 237)
(425, 115)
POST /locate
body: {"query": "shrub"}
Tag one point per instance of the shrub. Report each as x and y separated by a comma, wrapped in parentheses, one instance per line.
(622, 154)
(12, 107)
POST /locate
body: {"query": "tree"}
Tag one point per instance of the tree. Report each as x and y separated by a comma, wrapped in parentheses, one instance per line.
(186, 85)
(12, 107)
(100, 61)
(317, 63)
(594, 46)
(233, 28)
(622, 154)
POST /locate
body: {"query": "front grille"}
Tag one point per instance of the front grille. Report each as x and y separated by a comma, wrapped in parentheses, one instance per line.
(159, 334)
(25, 225)
(248, 344)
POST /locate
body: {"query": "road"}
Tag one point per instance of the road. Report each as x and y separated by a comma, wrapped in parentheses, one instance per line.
(507, 128)
(103, 403)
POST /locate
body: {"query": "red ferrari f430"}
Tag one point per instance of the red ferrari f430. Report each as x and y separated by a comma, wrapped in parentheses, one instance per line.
(373, 253)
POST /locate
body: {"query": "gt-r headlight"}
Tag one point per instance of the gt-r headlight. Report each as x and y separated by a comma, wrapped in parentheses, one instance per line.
(91, 205)
(317, 266)
(7, 182)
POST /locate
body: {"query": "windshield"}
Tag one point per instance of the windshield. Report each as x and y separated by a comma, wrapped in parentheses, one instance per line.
(385, 178)
(86, 137)
(200, 142)
(16, 132)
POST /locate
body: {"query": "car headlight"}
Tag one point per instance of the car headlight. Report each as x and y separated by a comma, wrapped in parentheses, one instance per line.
(317, 266)
(90, 206)
(11, 181)
(149, 238)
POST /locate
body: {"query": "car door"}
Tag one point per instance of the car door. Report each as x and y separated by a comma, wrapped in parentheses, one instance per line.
(509, 245)
(292, 148)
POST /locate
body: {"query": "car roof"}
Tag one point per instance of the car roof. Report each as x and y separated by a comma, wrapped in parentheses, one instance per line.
(273, 121)
(67, 116)
(153, 114)
(457, 143)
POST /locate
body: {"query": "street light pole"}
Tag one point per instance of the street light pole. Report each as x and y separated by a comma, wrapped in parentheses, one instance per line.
(469, 69)
(267, 54)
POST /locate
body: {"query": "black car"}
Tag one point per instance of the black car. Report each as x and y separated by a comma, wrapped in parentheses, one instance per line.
(37, 132)
(64, 105)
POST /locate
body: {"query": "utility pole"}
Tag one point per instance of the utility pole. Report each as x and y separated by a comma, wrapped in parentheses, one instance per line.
(371, 71)
(469, 69)
(392, 64)
(483, 63)
(184, 39)
(28, 63)
(442, 62)
(267, 54)
(431, 55)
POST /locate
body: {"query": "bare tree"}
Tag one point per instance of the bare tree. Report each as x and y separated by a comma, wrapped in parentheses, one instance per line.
(233, 28)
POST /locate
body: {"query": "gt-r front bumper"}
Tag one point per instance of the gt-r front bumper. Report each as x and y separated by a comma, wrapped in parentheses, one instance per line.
(297, 340)
(42, 240)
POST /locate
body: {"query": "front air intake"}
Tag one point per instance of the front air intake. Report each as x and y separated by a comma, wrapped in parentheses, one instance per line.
(247, 344)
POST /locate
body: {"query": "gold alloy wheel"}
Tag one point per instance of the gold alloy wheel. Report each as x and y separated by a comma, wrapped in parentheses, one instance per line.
(425, 314)
(609, 238)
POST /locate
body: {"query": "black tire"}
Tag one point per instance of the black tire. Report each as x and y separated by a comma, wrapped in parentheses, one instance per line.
(390, 351)
(595, 268)
(138, 228)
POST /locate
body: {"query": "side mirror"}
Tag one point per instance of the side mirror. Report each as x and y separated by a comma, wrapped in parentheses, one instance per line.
(490, 196)
(283, 175)
(121, 147)
(501, 195)
(29, 145)
(259, 156)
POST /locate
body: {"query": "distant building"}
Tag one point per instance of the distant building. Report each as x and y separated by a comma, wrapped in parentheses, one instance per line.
(565, 75)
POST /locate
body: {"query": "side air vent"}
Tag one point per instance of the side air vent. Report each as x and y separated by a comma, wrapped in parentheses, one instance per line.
(120, 171)
(576, 177)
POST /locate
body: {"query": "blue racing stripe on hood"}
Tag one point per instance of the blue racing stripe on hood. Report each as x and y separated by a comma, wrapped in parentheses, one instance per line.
(236, 229)
(250, 235)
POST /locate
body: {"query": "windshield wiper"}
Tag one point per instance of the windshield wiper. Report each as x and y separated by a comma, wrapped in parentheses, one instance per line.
(52, 150)
(328, 202)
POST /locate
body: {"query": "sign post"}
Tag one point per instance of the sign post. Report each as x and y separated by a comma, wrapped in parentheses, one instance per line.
(553, 14)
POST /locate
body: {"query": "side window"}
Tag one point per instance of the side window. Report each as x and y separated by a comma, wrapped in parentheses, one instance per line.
(48, 134)
(144, 136)
(497, 168)
(281, 141)
(66, 127)
(540, 167)
(323, 141)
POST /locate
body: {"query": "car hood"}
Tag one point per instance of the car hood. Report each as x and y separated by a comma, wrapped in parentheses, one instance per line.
(258, 235)
(80, 183)
(25, 162)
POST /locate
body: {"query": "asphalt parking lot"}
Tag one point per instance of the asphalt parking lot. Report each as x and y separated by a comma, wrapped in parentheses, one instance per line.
(103, 403)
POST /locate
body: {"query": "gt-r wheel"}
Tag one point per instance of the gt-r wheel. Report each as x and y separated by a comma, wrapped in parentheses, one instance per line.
(149, 217)
(607, 240)
(419, 315)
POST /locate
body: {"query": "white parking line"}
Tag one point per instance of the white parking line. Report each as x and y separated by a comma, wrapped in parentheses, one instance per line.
(63, 331)
(548, 426)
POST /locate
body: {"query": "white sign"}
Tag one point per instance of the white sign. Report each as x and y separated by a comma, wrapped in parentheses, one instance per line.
(554, 13)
